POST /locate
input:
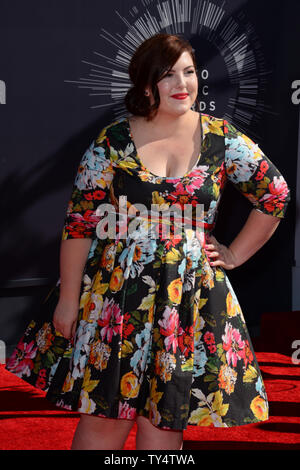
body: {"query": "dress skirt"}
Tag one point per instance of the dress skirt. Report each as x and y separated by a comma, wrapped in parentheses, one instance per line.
(160, 332)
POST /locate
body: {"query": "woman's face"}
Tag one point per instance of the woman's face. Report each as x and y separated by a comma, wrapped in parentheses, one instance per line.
(182, 81)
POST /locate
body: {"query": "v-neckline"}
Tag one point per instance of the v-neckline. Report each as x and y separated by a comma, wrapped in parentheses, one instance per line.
(146, 170)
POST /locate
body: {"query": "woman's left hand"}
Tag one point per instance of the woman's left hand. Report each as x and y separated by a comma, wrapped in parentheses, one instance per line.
(218, 254)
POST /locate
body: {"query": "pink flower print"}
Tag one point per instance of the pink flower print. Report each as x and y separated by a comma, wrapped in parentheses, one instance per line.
(170, 328)
(233, 344)
(20, 362)
(278, 193)
(194, 180)
(197, 178)
(279, 186)
(126, 411)
(110, 320)
(89, 219)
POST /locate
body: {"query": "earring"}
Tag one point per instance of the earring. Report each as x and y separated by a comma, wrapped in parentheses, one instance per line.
(147, 93)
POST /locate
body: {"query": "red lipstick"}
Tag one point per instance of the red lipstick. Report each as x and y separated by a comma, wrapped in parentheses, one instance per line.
(180, 96)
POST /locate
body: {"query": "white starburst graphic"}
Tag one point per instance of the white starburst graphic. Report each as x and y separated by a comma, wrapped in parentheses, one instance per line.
(232, 71)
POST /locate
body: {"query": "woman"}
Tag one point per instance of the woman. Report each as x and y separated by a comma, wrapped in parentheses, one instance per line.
(149, 328)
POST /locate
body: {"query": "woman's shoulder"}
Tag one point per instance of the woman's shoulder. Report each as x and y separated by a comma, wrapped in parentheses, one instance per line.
(211, 118)
(118, 129)
(212, 124)
(115, 131)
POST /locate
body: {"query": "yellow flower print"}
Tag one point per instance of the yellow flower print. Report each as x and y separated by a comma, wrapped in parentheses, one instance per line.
(201, 417)
(84, 205)
(117, 279)
(84, 300)
(207, 275)
(154, 415)
(99, 355)
(210, 409)
(188, 365)
(151, 403)
(259, 408)
(155, 396)
(213, 125)
(233, 307)
(129, 385)
(145, 176)
(158, 199)
(227, 379)
(32, 323)
(171, 257)
(250, 374)
(88, 384)
(199, 323)
(201, 303)
(127, 165)
(86, 405)
(219, 274)
(114, 154)
(108, 256)
(165, 363)
(101, 136)
(92, 307)
(98, 286)
(92, 299)
(148, 304)
(216, 190)
(87, 284)
(175, 291)
(44, 337)
(68, 383)
(218, 405)
(151, 314)
(126, 348)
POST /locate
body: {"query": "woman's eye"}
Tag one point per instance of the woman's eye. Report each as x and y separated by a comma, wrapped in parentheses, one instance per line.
(170, 74)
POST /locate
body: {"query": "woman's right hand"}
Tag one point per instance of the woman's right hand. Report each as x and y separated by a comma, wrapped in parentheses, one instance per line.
(65, 318)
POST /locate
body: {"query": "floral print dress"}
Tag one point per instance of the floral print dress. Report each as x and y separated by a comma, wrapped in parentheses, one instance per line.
(160, 332)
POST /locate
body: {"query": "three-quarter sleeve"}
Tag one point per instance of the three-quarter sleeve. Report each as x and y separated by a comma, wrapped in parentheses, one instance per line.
(253, 174)
(91, 188)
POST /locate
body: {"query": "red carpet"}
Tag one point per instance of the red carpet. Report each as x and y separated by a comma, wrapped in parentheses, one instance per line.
(29, 422)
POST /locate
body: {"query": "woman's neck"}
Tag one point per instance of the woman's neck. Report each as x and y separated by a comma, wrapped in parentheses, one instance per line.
(165, 124)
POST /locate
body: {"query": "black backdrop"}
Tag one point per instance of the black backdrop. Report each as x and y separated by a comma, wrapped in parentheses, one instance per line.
(63, 75)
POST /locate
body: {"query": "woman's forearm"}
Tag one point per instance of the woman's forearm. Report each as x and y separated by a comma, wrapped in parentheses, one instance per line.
(255, 233)
(73, 257)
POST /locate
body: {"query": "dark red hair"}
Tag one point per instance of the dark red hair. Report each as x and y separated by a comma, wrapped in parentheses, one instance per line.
(149, 63)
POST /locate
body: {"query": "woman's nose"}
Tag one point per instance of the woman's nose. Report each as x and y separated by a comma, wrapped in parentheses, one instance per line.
(180, 79)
